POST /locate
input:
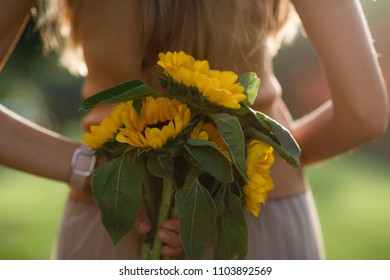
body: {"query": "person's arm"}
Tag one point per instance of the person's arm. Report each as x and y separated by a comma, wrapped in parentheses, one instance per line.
(24, 145)
(358, 110)
(28, 147)
(14, 16)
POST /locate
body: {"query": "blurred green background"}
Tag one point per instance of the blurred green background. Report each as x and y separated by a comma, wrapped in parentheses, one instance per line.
(352, 192)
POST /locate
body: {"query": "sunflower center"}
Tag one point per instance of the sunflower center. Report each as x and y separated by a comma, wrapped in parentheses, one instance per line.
(159, 125)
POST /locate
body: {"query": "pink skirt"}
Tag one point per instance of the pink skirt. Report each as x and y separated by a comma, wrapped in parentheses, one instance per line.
(286, 228)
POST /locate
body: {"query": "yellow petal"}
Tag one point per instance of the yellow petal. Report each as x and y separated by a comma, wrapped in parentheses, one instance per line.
(154, 137)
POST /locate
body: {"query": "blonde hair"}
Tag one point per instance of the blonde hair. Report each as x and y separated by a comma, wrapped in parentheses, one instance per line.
(56, 21)
(195, 26)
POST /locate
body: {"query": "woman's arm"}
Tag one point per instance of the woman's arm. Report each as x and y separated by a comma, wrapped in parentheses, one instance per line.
(33, 149)
(358, 110)
(14, 16)
(28, 147)
(24, 145)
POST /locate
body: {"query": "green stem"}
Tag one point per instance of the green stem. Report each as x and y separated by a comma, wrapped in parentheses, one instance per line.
(165, 209)
(145, 248)
(150, 201)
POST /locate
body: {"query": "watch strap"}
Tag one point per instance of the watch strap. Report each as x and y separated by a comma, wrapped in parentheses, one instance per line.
(81, 167)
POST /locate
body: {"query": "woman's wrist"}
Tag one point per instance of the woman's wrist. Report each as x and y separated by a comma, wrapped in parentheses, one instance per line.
(81, 166)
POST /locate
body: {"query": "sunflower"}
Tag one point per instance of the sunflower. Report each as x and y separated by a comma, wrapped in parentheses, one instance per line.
(219, 87)
(259, 161)
(159, 119)
(182, 67)
(106, 131)
(207, 131)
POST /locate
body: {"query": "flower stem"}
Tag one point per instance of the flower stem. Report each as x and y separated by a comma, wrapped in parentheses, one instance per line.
(165, 209)
(145, 249)
(150, 201)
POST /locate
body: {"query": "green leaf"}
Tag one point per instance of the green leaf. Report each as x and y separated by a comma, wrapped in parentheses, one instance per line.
(112, 149)
(286, 140)
(137, 105)
(116, 187)
(251, 83)
(233, 136)
(231, 229)
(197, 214)
(130, 90)
(111, 92)
(152, 197)
(211, 159)
(261, 126)
(161, 166)
(248, 118)
(286, 146)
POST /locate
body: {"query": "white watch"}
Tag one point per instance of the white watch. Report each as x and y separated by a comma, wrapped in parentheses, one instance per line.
(81, 167)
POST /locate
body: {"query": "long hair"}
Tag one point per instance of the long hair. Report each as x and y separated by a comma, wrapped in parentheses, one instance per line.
(56, 22)
(198, 27)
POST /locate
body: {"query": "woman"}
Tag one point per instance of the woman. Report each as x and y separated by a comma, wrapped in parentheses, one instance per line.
(120, 40)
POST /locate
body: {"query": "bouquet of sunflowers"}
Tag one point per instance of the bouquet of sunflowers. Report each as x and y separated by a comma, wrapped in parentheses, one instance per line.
(196, 151)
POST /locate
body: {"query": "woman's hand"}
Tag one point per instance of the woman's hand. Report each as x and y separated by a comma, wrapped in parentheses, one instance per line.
(168, 234)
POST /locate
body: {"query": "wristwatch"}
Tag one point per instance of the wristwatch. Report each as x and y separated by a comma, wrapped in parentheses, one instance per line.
(81, 167)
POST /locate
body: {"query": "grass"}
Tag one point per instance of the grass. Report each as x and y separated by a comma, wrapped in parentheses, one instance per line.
(30, 214)
(352, 195)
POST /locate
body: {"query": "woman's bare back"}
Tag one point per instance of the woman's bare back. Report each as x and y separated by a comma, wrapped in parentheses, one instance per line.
(113, 54)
